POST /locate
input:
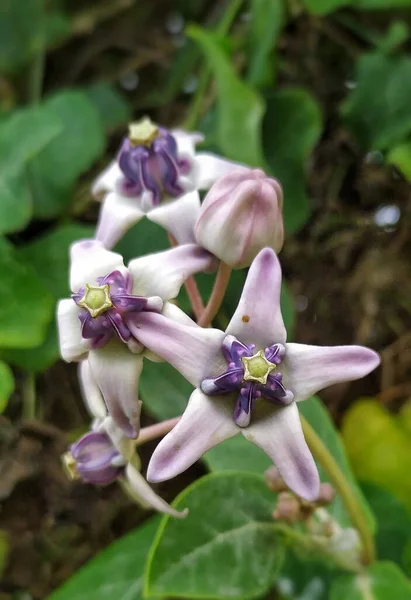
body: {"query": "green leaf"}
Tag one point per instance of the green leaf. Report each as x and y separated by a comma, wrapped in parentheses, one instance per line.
(378, 109)
(6, 389)
(288, 310)
(20, 32)
(239, 108)
(227, 547)
(116, 572)
(393, 524)
(382, 581)
(22, 136)
(27, 306)
(324, 7)
(379, 447)
(110, 104)
(49, 256)
(400, 156)
(318, 417)
(267, 21)
(292, 127)
(142, 239)
(381, 4)
(55, 170)
(238, 454)
(164, 391)
(4, 550)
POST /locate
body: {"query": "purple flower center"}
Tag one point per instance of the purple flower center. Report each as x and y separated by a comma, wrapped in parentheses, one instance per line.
(94, 459)
(106, 308)
(253, 374)
(149, 161)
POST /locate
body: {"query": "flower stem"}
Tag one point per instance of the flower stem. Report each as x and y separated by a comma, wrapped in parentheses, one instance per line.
(29, 396)
(191, 288)
(217, 295)
(351, 503)
(154, 431)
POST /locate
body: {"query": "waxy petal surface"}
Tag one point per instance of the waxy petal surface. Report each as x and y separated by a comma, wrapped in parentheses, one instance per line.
(90, 260)
(73, 346)
(117, 215)
(178, 216)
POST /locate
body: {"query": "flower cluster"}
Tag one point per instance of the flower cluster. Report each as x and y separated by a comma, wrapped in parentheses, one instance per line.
(248, 378)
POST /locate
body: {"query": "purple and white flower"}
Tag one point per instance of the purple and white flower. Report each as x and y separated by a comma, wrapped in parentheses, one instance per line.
(157, 173)
(99, 323)
(248, 380)
(105, 455)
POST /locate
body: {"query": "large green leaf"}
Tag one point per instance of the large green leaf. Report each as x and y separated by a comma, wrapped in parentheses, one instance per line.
(6, 385)
(379, 447)
(116, 572)
(55, 170)
(292, 127)
(393, 524)
(22, 136)
(110, 104)
(49, 256)
(323, 7)
(318, 417)
(378, 109)
(27, 306)
(165, 392)
(227, 547)
(267, 21)
(382, 581)
(237, 454)
(239, 108)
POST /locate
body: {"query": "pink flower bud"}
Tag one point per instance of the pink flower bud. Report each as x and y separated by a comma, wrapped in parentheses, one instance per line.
(241, 215)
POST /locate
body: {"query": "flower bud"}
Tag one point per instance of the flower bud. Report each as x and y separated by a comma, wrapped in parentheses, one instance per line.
(241, 215)
(94, 459)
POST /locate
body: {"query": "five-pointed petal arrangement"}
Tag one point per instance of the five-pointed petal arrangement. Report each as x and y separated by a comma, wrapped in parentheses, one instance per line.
(105, 455)
(157, 173)
(100, 322)
(248, 380)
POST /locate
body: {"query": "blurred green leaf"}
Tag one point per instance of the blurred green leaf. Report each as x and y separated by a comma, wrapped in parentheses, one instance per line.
(239, 108)
(55, 170)
(144, 238)
(324, 7)
(292, 126)
(116, 572)
(4, 550)
(398, 32)
(400, 157)
(238, 454)
(227, 547)
(379, 447)
(110, 104)
(164, 391)
(6, 389)
(267, 21)
(381, 581)
(393, 524)
(22, 136)
(318, 417)
(27, 306)
(381, 4)
(378, 109)
(49, 256)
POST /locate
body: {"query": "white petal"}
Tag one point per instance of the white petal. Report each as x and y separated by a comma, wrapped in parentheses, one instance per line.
(125, 445)
(162, 274)
(117, 373)
(186, 143)
(206, 422)
(279, 433)
(89, 260)
(118, 214)
(258, 319)
(311, 368)
(73, 346)
(145, 494)
(209, 167)
(91, 393)
(107, 180)
(178, 216)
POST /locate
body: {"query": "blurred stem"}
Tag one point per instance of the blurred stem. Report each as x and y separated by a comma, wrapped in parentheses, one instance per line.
(29, 397)
(222, 28)
(217, 295)
(347, 494)
(157, 430)
(191, 288)
(36, 74)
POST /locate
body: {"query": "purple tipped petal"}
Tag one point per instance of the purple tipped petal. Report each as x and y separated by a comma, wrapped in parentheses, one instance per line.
(145, 494)
(227, 382)
(94, 454)
(234, 350)
(117, 373)
(178, 216)
(280, 435)
(193, 351)
(163, 273)
(244, 406)
(118, 214)
(205, 423)
(312, 368)
(258, 316)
